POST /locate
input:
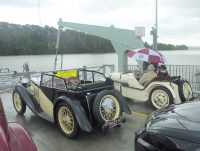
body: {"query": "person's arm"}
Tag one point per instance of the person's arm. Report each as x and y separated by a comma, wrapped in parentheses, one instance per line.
(143, 79)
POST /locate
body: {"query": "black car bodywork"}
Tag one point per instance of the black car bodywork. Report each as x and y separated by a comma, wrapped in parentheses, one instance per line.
(174, 128)
(74, 96)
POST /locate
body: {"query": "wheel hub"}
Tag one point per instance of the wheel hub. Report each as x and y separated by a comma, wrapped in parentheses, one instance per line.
(160, 98)
(108, 104)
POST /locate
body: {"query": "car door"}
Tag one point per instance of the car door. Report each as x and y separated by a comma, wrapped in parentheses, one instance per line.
(46, 94)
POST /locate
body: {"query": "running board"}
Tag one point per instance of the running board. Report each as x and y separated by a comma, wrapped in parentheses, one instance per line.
(45, 116)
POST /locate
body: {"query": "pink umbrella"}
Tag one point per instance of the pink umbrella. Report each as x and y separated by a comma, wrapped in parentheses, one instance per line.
(147, 55)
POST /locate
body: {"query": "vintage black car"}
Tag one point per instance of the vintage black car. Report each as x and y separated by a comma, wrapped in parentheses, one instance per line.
(73, 99)
(174, 128)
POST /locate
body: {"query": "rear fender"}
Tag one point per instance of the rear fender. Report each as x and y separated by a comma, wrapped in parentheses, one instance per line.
(78, 111)
(122, 101)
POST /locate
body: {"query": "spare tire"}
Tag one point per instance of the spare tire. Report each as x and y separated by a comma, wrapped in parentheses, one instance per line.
(106, 107)
(185, 90)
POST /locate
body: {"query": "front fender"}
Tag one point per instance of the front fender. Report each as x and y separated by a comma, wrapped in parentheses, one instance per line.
(122, 100)
(173, 88)
(20, 140)
(25, 96)
(78, 111)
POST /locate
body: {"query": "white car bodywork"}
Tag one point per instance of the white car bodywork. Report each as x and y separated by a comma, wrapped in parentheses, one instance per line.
(129, 86)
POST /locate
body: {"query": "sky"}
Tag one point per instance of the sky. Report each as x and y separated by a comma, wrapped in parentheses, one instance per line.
(178, 20)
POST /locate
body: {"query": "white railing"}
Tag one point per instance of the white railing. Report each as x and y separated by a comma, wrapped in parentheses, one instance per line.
(190, 73)
(9, 78)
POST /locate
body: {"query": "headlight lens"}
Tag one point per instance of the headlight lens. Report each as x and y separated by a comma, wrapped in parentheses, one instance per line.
(140, 131)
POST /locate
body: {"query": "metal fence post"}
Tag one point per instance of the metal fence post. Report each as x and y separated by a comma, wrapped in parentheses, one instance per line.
(112, 68)
(104, 68)
(84, 73)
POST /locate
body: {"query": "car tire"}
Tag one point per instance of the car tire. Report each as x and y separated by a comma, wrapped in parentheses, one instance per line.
(160, 97)
(185, 91)
(19, 105)
(106, 107)
(66, 120)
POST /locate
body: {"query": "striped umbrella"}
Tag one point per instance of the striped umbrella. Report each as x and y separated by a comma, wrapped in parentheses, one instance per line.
(147, 55)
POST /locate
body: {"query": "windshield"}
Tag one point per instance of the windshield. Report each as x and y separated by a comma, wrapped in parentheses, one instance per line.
(91, 76)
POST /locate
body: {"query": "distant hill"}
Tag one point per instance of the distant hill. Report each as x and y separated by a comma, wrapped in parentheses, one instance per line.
(194, 47)
(162, 46)
(34, 40)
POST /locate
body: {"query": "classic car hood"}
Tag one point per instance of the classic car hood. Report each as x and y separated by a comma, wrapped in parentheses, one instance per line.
(179, 121)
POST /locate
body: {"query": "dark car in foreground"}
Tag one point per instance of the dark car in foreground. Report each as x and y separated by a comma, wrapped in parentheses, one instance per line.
(174, 128)
(73, 99)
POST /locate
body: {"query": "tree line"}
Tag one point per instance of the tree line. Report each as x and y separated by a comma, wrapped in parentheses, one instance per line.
(34, 40)
(162, 46)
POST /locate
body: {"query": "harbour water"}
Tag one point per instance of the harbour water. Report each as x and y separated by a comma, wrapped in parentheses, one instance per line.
(46, 62)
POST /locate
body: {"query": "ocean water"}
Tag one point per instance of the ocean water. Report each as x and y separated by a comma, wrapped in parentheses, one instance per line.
(46, 62)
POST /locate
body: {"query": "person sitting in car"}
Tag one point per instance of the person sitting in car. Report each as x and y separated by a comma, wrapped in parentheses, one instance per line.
(73, 82)
(148, 76)
(146, 64)
(162, 72)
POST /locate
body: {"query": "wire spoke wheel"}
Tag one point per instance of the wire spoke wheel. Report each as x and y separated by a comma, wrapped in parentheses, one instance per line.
(66, 120)
(109, 108)
(18, 103)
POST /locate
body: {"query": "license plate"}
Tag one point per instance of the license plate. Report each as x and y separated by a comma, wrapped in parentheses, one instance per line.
(114, 122)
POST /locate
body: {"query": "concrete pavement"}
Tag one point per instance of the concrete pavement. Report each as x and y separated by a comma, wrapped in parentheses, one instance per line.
(47, 136)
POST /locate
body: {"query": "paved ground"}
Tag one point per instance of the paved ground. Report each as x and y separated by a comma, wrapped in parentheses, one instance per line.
(48, 138)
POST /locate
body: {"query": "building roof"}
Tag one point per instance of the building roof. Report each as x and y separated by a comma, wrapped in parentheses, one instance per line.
(120, 38)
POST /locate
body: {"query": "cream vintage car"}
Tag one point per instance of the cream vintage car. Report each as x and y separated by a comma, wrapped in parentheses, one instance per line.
(172, 90)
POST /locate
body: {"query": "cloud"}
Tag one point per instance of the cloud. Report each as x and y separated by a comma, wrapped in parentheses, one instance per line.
(177, 20)
(180, 4)
(26, 3)
(102, 6)
(179, 8)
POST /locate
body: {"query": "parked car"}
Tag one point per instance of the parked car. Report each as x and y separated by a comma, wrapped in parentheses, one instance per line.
(13, 137)
(73, 99)
(160, 93)
(174, 128)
